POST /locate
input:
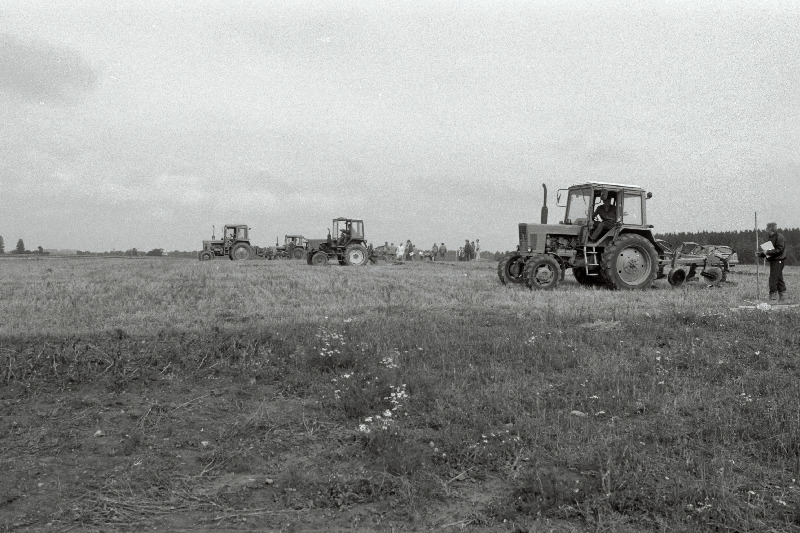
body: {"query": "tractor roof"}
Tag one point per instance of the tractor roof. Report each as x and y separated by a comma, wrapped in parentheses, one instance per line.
(342, 219)
(600, 184)
(235, 225)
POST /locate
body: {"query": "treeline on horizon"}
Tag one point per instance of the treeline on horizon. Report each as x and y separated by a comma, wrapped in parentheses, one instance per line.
(742, 242)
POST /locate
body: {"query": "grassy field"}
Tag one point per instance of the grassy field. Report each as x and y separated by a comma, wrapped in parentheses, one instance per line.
(148, 393)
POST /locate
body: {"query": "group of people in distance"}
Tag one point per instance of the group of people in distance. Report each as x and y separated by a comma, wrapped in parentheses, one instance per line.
(407, 251)
(471, 251)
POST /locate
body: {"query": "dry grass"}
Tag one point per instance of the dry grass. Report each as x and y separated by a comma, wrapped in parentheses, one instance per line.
(390, 396)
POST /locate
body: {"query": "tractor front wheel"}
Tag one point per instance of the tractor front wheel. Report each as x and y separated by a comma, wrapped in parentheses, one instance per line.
(206, 255)
(510, 269)
(319, 259)
(630, 262)
(298, 253)
(541, 272)
(241, 252)
(355, 255)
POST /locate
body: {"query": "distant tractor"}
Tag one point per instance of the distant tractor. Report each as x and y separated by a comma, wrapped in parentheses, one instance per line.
(294, 247)
(347, 245)
(235, 244)
(621, 253)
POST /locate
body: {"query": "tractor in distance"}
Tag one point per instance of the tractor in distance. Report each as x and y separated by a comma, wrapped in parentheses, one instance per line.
(621, 253)
(347, 245)
(293, 247)
(235, 244)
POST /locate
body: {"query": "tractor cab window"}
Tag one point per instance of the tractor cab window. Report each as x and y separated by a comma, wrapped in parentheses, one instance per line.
(236, 234)
(598, 199)
(578, 206)
(357, 229)
(632, 209)
(349, 229)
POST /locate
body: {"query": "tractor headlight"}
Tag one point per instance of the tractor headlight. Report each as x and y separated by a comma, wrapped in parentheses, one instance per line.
(530, 249)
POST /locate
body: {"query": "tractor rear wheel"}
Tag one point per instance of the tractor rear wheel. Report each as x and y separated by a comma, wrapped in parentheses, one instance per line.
(241, 252)
(319, 259)
(585, 279)
(714, 275)
(630, 262)
(676, 277)
(510, 269)
(206, 255)
(355, 255)
(541, 272)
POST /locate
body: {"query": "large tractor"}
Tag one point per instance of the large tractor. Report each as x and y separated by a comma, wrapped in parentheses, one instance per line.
(235, 244)
(347, 245)
(620, 253)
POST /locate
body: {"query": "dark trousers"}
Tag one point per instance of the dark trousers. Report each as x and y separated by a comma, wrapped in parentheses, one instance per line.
(776, 283)
(601, 228)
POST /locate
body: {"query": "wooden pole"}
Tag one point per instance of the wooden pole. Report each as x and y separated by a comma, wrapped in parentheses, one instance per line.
(758, 281)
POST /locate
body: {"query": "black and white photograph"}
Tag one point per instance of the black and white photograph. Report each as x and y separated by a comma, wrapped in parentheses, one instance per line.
(448, 265)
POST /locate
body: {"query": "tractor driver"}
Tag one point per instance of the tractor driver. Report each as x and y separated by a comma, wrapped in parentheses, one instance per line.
(608, 217)
(345, 237)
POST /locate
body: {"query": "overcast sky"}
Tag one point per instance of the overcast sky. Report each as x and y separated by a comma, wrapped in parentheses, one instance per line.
(141, 124)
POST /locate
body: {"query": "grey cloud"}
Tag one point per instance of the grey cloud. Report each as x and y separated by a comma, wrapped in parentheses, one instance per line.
(36, 71)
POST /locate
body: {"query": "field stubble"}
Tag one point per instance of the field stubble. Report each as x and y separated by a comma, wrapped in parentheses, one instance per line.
(274, 395)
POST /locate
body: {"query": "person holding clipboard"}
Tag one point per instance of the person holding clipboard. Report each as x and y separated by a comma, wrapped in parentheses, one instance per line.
(775, 252)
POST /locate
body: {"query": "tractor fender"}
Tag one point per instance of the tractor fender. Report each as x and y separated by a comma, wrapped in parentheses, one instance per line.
(646, 233)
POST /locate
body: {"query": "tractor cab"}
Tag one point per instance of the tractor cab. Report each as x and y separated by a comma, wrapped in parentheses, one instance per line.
(348, 229)
(292, 241)
(233, 233)
(593, 203)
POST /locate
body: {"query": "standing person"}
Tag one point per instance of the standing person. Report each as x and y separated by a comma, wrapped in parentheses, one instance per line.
(775, 257)
(472, 251)
(477, 249)
(442, 251)
(434, 252)
(401, 251)
(467, 250)
(392, 250)
(409, 250)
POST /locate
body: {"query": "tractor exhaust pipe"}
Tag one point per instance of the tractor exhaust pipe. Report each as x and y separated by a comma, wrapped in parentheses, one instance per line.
(544, 207)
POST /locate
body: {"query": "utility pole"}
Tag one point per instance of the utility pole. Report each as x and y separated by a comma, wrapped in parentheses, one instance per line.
(758, 281)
